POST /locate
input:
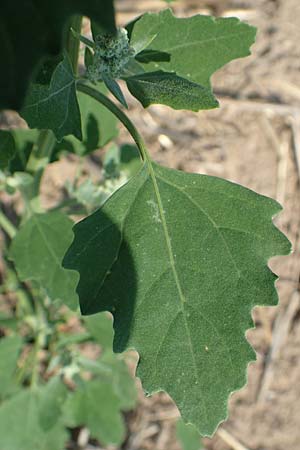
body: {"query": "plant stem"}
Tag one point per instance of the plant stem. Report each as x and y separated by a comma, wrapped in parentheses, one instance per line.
(101, 98)
(7, 225)
(72, 43)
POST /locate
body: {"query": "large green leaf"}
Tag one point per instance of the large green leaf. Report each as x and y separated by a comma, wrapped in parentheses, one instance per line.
(31, 30)
(198, 45)
(96, 405)
(20, 427)
(55, 106)
(37, 251)
(169, 89)
(180, 260)
(10, 348)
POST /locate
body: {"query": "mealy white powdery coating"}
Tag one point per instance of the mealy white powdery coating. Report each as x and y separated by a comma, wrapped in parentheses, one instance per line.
(112, 53)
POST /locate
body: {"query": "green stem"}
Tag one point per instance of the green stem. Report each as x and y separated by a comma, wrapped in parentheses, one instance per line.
(101, 98)
(72, 43)
(7, 225)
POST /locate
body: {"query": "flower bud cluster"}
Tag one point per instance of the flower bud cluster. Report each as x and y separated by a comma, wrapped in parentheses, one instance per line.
(112, 53)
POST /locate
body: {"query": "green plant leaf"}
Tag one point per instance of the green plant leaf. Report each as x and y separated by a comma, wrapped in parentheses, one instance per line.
(99, 126)
(101, 328)
(37, 251)
(115, 89)
(122, 159)
(20, 428)
(55, 107)
(198, 45)
(123, 383)
(24, 142)
(147, 56)
(22, 45)
(180, 260)
(10, 348)
(7, 148)
(52, 397)
(169, 89)
(188, 436)
(96, 405)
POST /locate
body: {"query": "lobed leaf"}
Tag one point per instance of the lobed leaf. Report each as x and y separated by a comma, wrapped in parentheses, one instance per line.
(197, 45)
(180, 260)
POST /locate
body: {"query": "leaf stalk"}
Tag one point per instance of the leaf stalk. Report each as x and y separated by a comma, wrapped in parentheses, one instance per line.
(114, 109)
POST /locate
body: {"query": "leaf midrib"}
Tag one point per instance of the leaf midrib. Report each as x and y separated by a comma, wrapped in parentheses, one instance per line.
(175, 274)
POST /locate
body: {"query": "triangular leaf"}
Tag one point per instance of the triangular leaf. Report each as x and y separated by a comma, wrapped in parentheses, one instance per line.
(180, 260)
(37, 251)
(198, 45)
(55, 107)
(31, 30)
(169, 89)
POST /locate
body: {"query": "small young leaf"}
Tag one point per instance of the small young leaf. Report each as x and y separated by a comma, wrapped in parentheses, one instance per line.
(147, 56)
(9, 353)
(37, 251)
(20, 428)
(198, 45)
(169, 89)
(96, 405)
(7, 148)
(188, 436)
(88, 57)
(180, 260)
(55, 107)
(23, 45)
(115, 89)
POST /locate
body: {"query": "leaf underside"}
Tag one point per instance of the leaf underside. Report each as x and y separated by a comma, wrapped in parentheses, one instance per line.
(30, 31)
(180, 260)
